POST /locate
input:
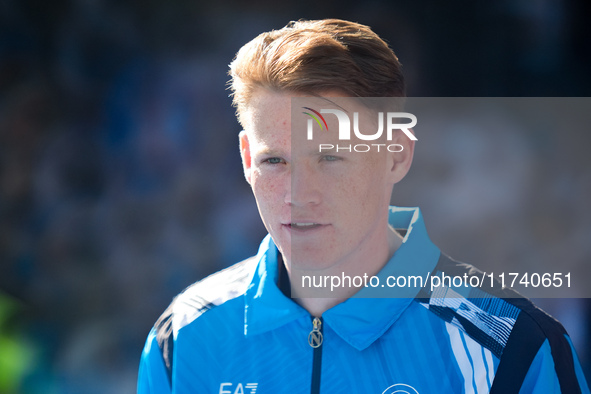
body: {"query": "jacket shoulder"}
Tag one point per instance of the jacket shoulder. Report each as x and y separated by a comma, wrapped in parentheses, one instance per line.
(488, 313)
(212, 291)
(198, 298)
(509, 325)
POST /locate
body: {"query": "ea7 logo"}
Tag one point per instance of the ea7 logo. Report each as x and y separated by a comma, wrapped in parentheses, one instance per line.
(229, 388)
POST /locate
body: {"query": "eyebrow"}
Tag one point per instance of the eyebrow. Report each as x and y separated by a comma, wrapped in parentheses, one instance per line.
(266, 151)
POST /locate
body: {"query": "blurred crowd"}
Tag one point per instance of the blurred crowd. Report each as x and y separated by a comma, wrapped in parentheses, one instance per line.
(121, 182)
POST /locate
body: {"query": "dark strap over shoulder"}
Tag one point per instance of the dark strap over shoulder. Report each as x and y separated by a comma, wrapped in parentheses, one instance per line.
(532, 328)
(165, 339)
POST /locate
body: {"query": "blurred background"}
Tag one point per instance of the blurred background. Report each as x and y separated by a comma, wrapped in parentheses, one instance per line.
(121, 182)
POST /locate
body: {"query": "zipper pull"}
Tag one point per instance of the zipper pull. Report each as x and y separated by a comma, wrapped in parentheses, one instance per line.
(315, 337)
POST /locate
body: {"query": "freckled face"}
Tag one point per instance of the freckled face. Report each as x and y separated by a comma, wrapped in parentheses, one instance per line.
(323, 209)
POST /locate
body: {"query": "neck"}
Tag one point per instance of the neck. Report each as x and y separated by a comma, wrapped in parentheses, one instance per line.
(317, 300)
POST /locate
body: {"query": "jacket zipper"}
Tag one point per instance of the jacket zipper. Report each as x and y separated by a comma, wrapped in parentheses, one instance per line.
(315, 339)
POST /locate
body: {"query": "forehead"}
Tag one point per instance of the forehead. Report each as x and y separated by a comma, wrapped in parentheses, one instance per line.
(273, 114)
(266, 111)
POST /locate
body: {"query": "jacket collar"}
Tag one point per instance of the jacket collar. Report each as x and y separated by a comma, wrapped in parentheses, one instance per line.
(358, 321)
(266, 307)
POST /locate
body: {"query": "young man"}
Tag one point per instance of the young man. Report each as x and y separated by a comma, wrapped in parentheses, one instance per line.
(256, 326)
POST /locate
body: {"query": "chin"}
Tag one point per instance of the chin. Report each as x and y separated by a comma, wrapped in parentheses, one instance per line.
(305, 263)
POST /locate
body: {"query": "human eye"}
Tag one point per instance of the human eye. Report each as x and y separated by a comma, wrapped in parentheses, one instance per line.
(330, 158)
(273, 160)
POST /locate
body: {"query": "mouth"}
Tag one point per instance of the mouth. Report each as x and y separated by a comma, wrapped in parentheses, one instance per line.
(302, 226)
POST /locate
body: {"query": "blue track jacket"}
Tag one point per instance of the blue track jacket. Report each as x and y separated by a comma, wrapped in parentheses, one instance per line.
(236, 332)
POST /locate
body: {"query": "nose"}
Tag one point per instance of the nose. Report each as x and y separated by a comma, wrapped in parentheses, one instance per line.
(304, 188)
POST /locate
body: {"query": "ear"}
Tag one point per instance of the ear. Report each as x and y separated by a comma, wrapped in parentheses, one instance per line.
(399, 162)
(245, 154)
